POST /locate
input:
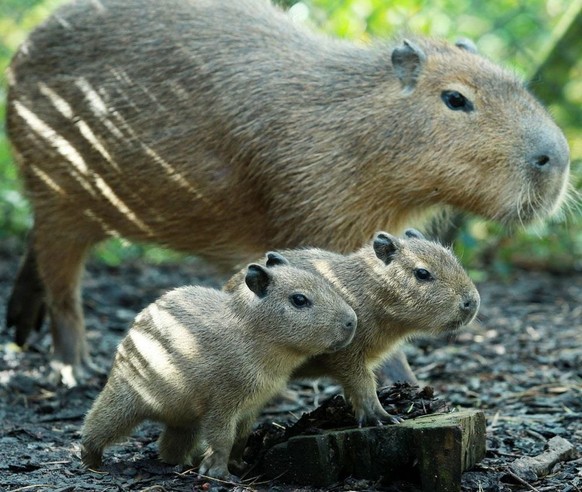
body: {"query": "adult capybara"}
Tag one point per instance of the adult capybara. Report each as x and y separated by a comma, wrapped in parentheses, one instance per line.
(224, 129)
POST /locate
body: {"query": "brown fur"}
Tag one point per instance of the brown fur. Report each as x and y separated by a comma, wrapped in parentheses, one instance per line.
(379, 282)
(204, 362)
(224, 129)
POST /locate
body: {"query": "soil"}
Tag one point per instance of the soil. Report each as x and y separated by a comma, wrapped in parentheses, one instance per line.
(521, 363)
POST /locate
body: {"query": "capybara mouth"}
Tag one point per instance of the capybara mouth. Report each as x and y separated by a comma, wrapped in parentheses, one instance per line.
(455, 325)
(535, 206)
(340, 345)
(528, 211)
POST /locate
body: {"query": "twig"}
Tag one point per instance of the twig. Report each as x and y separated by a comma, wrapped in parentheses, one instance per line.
(535, 434)
(185, 472)
(32, 487)
(521, 480)
(192, 470)
(252, 481)
(491, 426)
(505, 453)
(219, 481)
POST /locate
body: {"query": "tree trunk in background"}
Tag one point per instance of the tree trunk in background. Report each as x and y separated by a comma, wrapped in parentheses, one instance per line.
(552, 74)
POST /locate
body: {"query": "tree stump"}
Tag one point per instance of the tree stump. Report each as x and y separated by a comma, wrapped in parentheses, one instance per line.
(431, 450)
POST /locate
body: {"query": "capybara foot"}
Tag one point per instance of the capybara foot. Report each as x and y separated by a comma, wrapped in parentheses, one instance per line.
(91, 458)
(216, 468)
(374, 417)
(70, 375)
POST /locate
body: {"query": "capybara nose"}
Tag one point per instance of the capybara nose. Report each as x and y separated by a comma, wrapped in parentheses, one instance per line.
(541, 160)
(351, 322)
(550, 154)
(469, 306)
(550, 160)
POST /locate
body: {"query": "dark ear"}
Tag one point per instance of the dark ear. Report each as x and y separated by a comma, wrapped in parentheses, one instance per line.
(258, 279)
(467, 45)
(414, 234)
(385, 247)
(274, 259)
(407, 61)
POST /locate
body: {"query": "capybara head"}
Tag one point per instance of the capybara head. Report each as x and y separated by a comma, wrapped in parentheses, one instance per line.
(473, 134)
(420, 284)
(300, 310)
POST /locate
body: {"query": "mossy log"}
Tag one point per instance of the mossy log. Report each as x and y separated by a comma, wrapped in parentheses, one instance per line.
(431, 450)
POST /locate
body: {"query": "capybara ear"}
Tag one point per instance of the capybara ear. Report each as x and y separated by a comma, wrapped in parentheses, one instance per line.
(258, 279)
(407, 61)
(467, 45)
(385, 246)
(413, 233)
(275, 259)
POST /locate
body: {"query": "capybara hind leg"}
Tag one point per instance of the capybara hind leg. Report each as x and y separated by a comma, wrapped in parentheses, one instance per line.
(26, 306)
(60, 263)
(112, 417)
(179, 446)
(397, 370)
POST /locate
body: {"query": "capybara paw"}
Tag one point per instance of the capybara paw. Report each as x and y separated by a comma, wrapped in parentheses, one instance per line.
(218, 471)
(376, 418)
(70, 375)
(393, 419)
(63, 374)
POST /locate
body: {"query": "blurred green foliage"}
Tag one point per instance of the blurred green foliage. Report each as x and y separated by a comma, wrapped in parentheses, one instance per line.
(518, 33)
(17, 18)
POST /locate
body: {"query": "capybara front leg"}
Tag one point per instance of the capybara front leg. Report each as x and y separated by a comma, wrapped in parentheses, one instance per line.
(360, 389)
(219, 433)
(243, 430)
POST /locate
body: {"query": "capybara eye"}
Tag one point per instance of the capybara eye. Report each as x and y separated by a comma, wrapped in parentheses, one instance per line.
(456, 101)
(422, 274)
(300, 301)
